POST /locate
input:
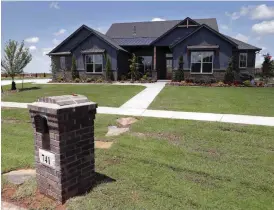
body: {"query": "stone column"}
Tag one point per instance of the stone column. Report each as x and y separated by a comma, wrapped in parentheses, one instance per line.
(64, 145)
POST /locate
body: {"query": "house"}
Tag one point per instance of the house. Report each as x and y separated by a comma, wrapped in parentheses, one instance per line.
(158, 46)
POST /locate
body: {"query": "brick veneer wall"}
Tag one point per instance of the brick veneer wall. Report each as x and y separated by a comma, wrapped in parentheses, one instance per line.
(71, 139)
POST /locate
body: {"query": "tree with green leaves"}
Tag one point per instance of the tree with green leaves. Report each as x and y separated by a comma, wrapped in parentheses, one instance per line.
(229, 74)
(133, 71)
(74, 72)
(108, 69)
(267, 66)
(16, 58)
(179, 73)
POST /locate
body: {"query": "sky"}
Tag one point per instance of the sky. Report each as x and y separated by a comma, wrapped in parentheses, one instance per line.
(43, 25)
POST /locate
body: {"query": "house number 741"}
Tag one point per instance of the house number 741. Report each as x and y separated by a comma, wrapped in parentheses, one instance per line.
(46, 159)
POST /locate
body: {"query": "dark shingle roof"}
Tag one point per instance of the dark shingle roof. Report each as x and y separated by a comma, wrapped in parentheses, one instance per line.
(151, 29)
(243, 45)
(134, 41)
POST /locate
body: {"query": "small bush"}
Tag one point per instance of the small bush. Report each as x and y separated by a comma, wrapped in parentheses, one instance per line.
(77, 80)
(247, 83)
(60, 79)
(123, 77)
(90, 79)
(213, 80)
(144, 77)
(99, 79)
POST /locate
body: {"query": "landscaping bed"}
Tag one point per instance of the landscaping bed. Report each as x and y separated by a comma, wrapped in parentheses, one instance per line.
(104, 94)
(166, 164)
(244, 100)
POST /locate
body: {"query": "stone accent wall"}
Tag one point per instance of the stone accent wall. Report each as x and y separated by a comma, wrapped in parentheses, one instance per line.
(217, 75)
(70, 137)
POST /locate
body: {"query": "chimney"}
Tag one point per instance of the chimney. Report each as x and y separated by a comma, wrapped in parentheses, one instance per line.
(134, 31)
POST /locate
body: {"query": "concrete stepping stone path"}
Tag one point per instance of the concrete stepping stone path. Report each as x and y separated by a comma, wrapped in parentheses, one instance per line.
(20, 176)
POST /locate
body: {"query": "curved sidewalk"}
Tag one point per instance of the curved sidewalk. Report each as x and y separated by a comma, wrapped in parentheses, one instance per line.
(212, 117)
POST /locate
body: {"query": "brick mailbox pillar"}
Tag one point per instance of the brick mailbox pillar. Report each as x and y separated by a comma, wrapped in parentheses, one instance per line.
(64, 145)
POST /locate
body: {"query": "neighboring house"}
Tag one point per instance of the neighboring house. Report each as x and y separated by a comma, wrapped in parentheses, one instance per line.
(158, 45)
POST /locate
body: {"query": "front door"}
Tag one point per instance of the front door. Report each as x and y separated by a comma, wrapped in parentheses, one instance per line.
(169, 58)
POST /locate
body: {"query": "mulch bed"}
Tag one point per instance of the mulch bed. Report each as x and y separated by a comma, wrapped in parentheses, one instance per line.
(34, 202)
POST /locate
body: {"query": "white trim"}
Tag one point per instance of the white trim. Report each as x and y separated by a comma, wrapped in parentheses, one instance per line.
(93, 72)
(240, 61)
(201, 69)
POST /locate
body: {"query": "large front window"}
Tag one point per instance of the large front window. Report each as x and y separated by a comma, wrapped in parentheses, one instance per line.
(202, 62)
(243, 60)
(94, 63)
(144, 64)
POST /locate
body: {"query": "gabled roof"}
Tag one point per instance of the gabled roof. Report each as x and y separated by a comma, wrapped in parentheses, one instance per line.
(151, 29)
(93, 50)
(198, 29)
(139, 41)
(181, 22)
(243, 45)
(96, 33)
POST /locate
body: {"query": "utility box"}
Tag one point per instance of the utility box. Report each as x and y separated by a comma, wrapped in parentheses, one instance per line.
(64, 145)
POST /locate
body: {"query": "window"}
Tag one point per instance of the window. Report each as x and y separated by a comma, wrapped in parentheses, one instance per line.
(202, 62)
(94, 63)
(169, 55)
(62, 62)
(144, 63)
(243, 60)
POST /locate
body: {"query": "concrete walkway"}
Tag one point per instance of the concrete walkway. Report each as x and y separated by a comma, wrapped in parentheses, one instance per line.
(211, 117)
(38, 81)
(143, 99)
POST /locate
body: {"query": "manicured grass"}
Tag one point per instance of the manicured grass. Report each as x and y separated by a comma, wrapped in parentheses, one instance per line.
(104, 95)
(169, 164)
(247, 101)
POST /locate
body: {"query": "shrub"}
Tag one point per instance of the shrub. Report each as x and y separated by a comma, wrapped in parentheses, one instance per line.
(44, 74)
(229, 75)
(123, 77)
(109, 75)
(179, 74)
(60, 79)
(36, 75)
(213, 80)
(74, 72)
(77, 80)
(247, 83)
(90, 79)
(144, 77)
(99, 79)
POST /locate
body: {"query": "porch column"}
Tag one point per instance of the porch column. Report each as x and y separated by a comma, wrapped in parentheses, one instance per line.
(154, 61)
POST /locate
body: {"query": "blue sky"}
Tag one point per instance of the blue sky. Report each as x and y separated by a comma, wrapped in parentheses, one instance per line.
(45, 24)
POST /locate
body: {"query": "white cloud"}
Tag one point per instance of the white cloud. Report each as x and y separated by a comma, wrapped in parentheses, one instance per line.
(38, 64)
(259, 60)
(233, 16)
(241, 37)
(258, 38)
(224, 27)
(157, 19)
(56, 41)
(54, 5)
(60, 32)
(32, 48)
(265, 27)
(32, 40)
(46, 50)
(254, 12)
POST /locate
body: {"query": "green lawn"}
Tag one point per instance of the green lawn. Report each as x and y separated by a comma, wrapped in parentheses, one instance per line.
(166, 164)
(247, 101)
(103, 94)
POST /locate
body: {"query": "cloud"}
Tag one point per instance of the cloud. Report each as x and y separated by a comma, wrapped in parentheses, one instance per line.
(265, 27)
(224, 27)
(46, 50)
(157, 19)
(233, 16)
(39, 63)
(56, 41)
(258, 12)
(54, 5)
(32, 48)
(32, 40)
(241, 37)
(60, 32)
(258, 38)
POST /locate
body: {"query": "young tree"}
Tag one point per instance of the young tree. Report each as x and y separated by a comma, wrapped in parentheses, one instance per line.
(229, 74)
(179, 74)
(16, 58)
(74, 72)
(108, 69)
(53, 70)
(134, 74)
(267, 66)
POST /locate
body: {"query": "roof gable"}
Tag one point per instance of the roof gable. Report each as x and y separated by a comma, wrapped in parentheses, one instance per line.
(151, 29)
(198, 29)
(91, 31)
(183, 23)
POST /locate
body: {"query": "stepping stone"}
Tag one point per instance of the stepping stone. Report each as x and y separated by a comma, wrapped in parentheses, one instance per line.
(103, 144)
(115, 131)
(20, 176)
(126, 121)
(10, 206)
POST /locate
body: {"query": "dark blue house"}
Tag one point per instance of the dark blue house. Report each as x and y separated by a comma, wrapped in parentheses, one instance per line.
(158, 45)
